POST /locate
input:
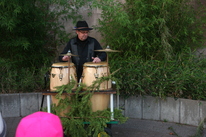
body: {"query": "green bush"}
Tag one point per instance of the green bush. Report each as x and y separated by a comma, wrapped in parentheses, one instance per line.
(21, 79)
(178, 78)
(156, 39)
(31, 32)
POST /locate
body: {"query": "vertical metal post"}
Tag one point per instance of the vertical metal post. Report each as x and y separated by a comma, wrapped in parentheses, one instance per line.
(48, 104)
(112, 106)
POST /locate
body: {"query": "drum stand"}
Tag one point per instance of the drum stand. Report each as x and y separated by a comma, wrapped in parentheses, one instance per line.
(69, 54)
(111, 95)
(107, 50)
(111, 92)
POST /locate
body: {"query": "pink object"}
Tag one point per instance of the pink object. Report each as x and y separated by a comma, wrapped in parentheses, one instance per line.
(40, 124)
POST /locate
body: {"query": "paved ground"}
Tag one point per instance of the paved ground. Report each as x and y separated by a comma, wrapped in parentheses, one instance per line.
(12, 123)
(132, 128)
(148, 128)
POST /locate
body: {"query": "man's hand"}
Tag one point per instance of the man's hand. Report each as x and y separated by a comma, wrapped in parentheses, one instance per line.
(66, 58)
(96, 59)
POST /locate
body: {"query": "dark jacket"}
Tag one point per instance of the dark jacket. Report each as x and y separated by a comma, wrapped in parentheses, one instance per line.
(84, 51)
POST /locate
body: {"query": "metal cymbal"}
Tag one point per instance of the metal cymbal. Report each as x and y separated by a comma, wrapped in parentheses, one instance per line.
(107, 50)
(68, 54)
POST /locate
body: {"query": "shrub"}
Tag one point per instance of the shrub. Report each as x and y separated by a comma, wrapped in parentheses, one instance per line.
(31, 32)
(156, 39)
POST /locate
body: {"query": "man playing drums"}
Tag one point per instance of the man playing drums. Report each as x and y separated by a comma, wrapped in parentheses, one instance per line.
(83, 46)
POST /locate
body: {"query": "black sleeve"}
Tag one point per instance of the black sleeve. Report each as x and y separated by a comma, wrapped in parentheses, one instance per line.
(68, 47)
(101, 55)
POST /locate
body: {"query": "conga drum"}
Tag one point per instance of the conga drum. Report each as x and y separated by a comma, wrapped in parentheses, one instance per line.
(91, 72)
(60, 76)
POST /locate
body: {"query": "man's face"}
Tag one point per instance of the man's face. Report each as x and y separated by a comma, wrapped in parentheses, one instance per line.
(82, 34)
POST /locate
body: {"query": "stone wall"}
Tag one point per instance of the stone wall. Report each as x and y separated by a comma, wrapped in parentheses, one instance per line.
(182, 111)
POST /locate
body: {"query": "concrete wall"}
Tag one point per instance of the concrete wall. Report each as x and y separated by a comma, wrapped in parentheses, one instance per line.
(19, 105)
(182, 111)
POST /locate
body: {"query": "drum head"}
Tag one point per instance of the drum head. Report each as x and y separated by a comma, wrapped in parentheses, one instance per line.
(62, 65)
(92, 64)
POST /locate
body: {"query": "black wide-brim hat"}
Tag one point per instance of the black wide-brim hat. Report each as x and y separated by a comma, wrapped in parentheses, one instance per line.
(82, 25)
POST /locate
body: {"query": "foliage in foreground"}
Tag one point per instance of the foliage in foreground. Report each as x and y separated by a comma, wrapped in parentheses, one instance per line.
(78, 119)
